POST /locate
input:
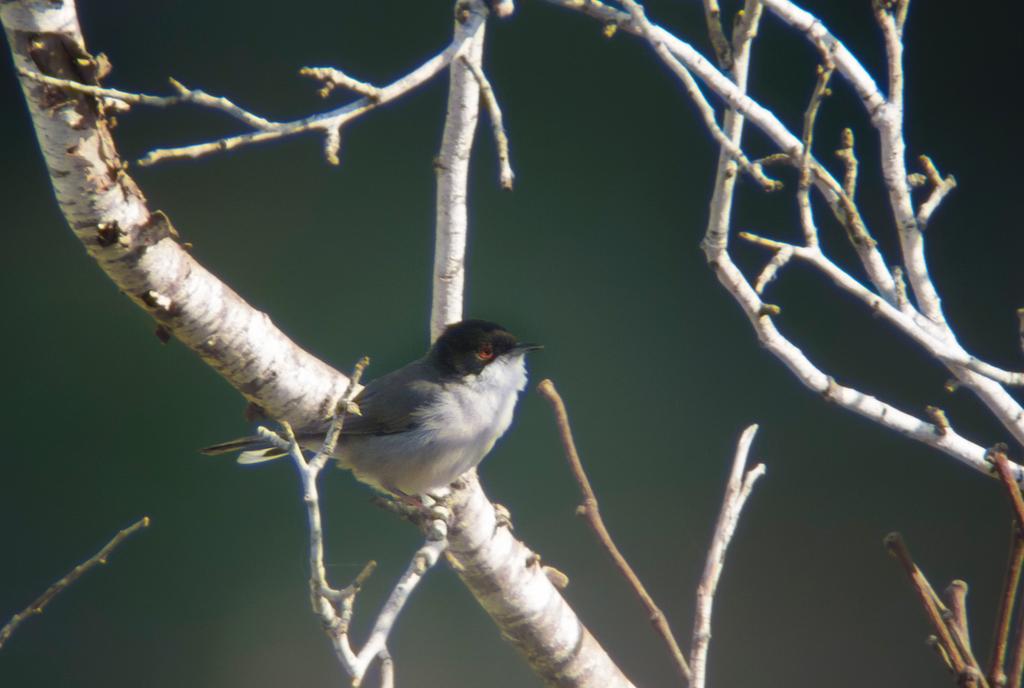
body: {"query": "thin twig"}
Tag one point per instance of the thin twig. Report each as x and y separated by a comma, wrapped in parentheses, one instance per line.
(1017, 658)
(1007, 601)
(846, 153)
(328, 123)
(506, 175)
(97, 559)
(590, 510)
(335, 78)
(707, 113)
(737, 490)
(771, 270)
(336, 607)
(954, 644)
(940, 189)
(713, 17)
(956, 600)
(821, 90)
(1005, 471)
(185, 95)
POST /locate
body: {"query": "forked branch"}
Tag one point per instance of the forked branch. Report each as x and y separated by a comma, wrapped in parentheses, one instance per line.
(738, 489)
(336, 607)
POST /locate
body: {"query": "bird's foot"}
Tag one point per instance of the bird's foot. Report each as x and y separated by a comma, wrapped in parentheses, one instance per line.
(436, 515)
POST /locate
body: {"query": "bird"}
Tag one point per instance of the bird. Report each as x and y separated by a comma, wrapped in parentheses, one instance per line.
(426, 423)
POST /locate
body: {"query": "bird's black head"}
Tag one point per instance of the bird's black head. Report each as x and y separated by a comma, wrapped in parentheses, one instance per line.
(467, 347)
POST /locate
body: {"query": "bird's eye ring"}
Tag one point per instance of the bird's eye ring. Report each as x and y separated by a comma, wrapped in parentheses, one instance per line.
(485, 352)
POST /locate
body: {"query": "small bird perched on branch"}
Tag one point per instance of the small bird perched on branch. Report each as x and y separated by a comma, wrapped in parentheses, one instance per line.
(427, 423)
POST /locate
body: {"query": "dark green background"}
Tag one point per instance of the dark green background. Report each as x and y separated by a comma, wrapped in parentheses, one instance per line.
(595, 254)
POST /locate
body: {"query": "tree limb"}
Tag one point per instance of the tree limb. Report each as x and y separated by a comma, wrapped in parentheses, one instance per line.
(137, 249)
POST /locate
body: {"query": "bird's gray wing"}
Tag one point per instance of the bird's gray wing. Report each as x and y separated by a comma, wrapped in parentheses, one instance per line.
(389, 404)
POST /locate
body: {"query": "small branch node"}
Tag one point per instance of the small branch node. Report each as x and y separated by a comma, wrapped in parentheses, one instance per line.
(335, 78)
(940, 189)
(848, 157)
(938, 419)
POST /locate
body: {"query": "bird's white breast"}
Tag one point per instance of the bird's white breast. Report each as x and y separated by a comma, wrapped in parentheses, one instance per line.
(453, 433)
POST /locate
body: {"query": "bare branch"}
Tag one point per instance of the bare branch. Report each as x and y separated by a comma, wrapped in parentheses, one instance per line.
(1007, 601)
(506, 175)
(1011, 480)
(74, 574)
(940, 189)
(335, 607)
(846, 153)
(703, 107)
(933, 607)
(941, 349)
(956, 600)
(713, 17)
(452, 166)
(741, 483)
(328, 123)
(135, 247)
(591, 511)
(335, 78)
(778, 261)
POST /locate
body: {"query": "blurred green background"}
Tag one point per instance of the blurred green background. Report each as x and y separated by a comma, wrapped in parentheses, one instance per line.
(595, 254)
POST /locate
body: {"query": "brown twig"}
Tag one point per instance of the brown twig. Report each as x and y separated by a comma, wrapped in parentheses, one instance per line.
(953, 644)
(996, 672)
(589, 509)
(1011, 584)
(73, 575)
(998, 458)
(956, 598)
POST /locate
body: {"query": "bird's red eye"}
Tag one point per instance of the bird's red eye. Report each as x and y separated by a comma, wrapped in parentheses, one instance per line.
(485, 352)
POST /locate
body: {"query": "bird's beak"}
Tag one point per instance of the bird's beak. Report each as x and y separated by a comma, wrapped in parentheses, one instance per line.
(523, 347)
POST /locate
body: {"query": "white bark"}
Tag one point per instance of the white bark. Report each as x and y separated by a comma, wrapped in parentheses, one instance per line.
(737, 490)
(136, 247)
(509, 581)
(923, 321)
(452, 166)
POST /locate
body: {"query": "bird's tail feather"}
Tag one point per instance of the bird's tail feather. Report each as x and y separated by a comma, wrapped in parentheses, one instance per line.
(253, 450)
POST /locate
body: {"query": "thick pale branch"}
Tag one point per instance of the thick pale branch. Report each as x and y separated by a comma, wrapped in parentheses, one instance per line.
(510, 582)
(137, 246)
(137, 249)
(452, 167)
